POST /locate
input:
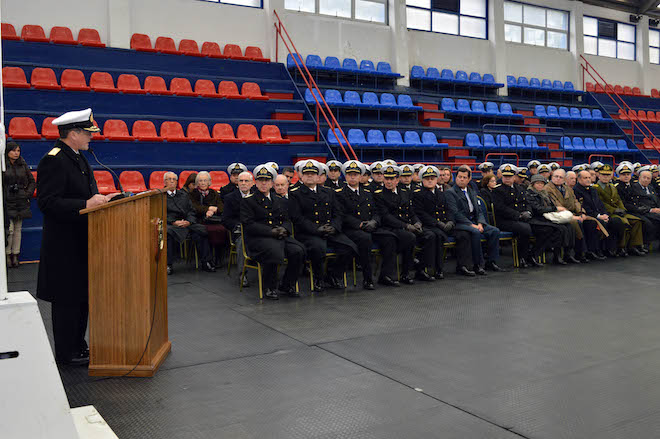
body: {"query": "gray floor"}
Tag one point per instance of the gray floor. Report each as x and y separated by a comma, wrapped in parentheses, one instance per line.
(556, 352)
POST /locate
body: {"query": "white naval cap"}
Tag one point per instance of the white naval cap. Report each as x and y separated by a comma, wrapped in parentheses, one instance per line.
(264, 171)
(236, 168)
(485, 165)
(352, 167)
(429, 171)
(83, 119)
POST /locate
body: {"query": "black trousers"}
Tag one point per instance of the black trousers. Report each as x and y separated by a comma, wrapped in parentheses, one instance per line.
(617, 230)
(463, 248)
(405, 244)
(426, 241)
(317, 248)
(591, 235)
(364, 241)
(546, 237)
(438, 238)
(295, 255)
(522, 231)
(651, 226)
(69, 327)
(201, 242)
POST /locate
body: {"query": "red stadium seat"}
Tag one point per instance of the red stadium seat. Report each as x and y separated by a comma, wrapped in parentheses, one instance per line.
(74, 80)
(114, 129)
(229, 90)
(655, 93)
(181, 87)
(155, 85)
(636, 91)
(647, 143)
(206, 88)
(9, 32)
(218, 179)
(172, 132)
(189, 47)
(632, 115)
(199, 132)
(212, 50)
(33, 32)
(129, 84)
(609, 88)
(44, 78)
(89, 37)
(23, 128)
(142, 43)
(145, 131)
(622, 114)
(132, 181)
(627, 91)
(248, 133)
(48, 130)
(252, 91)
(34, 174)
(599, 89)
(233, 51)
(656, 143)
(157, 180)
(650, 115)
(618, 89)
(254, 53)
(271, 134)
(590, 87)
(166, 45)
(184, 176)
(62, 35)
(14, 77)
(224, 133)
(105, 182)
(641, 115)
(103, 82)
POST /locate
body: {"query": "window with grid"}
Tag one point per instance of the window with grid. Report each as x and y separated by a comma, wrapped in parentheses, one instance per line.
(466, 18)
(654, 46)
(609, 38)
(250, 3)
(374, 11)
(535, 25)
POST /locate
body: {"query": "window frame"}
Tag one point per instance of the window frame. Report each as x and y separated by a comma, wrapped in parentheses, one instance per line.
(654, 47)
(457, 14)
(229, 3)
(317, 8)
(616, 40)
(545, 28)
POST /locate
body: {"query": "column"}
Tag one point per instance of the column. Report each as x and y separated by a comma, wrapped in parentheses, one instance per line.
(496, 40)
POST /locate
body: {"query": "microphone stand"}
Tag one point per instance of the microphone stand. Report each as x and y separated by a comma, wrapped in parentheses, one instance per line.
(121, 189)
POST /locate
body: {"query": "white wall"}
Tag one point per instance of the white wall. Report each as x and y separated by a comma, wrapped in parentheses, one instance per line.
(447, 51)
(540, 62)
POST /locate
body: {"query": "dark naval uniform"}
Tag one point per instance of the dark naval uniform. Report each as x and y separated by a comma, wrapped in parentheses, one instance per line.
(592, 206)
(333, 184)
(227, 189)
(640, 203)
(513, 215)
(65, 183)
(609, 196)
(179, 207)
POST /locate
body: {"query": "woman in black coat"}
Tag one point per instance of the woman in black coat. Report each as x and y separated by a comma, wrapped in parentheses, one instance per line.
(18, 186)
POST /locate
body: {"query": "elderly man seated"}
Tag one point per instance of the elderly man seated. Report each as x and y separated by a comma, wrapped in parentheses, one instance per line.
(231, 216)
(182, 223)
(208, 207)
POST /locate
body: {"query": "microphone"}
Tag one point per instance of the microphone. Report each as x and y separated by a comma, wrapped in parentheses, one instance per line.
(121, 189)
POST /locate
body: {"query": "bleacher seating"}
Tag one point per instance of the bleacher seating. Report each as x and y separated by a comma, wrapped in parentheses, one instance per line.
(218, 179)
(224, 133)
(142, 43)
(625, 90)
(552, 113)
(166, 45)
(348, 66)
(589, 145)
(62, 35)
(89, 37)
(189, 47)
(145, 131)
(199, 132)
(104, 182)
(172, 132)
(369, 100)
(155, 85)
(14, 77)
(23, 128)
(74, 80)
(44, 79)
(392, 138)
(132, 181)
(447, 82)
(48, 130)
(34, 33)
(181, 87)
(102, 82)
(157, 179)
(129, 84)
(9, 32)
(114, 129)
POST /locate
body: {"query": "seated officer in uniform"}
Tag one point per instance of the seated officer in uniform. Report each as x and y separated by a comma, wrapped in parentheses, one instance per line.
(533, 167)
(376, 169)
(415, 177)
(362, 225)
(231, 215)
(644, 202)
(406, 178)
(268, 235)
(334, 174)
(318, 221)
(462, 203)
(633, 239)
(522, 178)
(597, 223)
(486, 168)
(396, 211)
(233, 170)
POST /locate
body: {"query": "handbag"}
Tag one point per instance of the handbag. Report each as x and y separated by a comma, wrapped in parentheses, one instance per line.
(563, 217)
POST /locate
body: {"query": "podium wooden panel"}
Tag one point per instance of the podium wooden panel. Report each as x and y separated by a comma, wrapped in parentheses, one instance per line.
(128, 285)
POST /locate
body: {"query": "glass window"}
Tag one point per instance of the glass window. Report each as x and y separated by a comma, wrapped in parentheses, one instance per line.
(473, 27)
(538, 22)
(300, 5)
(370, 11)
(654, 46)
(418, 19)
(607, 48)
(534, 15)
(625, 32)
(336, 8)
(513, 12)
(625, 50)
(445, 23)
(557, 20)
(609, 38)
(426, 4)
(475, 8)
(512, 33)
(464, 17)
(252, 3)
(591, 45)
(654, 38)
(558, 40)
(535, 37)
(654, 55)
(591, 26)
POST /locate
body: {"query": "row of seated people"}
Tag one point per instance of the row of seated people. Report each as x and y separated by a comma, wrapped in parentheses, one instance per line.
(58, 35)
(447, 76)
(462, 106)
(44, 78)
(618, 89)
(502, 142)
(564, 113)
(640, 115)
(348, 65)
(588, 144)
(145, 131)
(368, 100)
(375, 138)
(545, 85)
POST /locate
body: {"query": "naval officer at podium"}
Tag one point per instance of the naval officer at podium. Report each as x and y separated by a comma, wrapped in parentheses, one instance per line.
(65, 186)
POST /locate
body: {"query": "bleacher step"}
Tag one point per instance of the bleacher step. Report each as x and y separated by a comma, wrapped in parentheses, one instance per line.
(278, 95)
(296, 137)
(288, 115)
(436, 122)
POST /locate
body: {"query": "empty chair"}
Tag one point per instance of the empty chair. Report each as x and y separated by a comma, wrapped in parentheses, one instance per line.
(531, 143)
(461, 76)
(557, 85)
(211, 50)
(145, 131)
(575, 113)
(546, 84)
(618, 89)
(332, 63)
(132, 181)
(539, 111)
(205, 88)
(505, 109)
(33, 32)
(219, 179)
(489, 141)
(447, 104)
(433, 73)
(106, 184)
(44, 78)
(309, 97)
(9, 32)
(248, 133)
(568, 86)
(405, 101)
(181, 87)
(622, 145)
(475, 77)
(590, 87)
(141, 43)
(156, 179)
(332, 139)
(417, 72)
(224, 133)
(376, 138)
(233, 51)
(388, 100)
(654, 92)
(356, 137)
(517, 142)
(472, 141)
(129, 84)
(189, 47)
(229, 90)
(271, 134)
(627, 90)
(253, 53)
(369, 99)
(429, 139)
(314, 62)
(589, 144)
(647, 144)
(552, 112)
(632, 114)
(73, 80)
(172, 132)
(115, 129)
(393, 138)
(503, 141)
(523, 82)
(566, 143)
(48, 130)
(155, 85)
(641, 115)
(350, 65)
(478, 107)
(252, 91)
(352, 98)
(511, 81)
(564, 113)
(600, 145)
(488, 78)
(166, 45)
(14, 77)
(534, 83)
(491, 108)
(62, 35)
(199, 132)
(89, 37)
(447, 75)
(103, 82)
(411, 138)
(291, 61)
(651, 116)
(611, 145)
(332, 97)
(463, 106)
(578, 144)
(596, 114)
(367, 66)
(384, 68)
(23, 128)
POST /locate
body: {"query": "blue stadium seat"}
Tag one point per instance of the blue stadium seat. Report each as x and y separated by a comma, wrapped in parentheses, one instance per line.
(370, 99)
(517, 142)
(417, 72)
(534, 83)
(309, 97)
(546, 84)
(350, 65)
(314, 62)
(352, 99)
(539, 111)
(472, 141)
(447, 75)
(523, 82)
(575, 113)
(505, 109)
(447, 104)
(557, 85)
(511, 81)
(290, 64)
(531, 143)
(463, 106)
(388, 100)
(585, 113)
(478, 107)
(461, 76)
(600, 145)
(621, 145)
(611, 145)
(578, 144)
(429, 139)
(376, 138)
(384, 68)
(589, 144)
(568, 85)
(488, 78)
(489, 141)
(564, 113)
(394, 138)
(333, 97)
(566, 144)
(356, 137)
(331, 138)
(405, 101)
(433, 73)
(367, 66)
(596, 114)
(475, 77)
(503, 142)
(411, 138)
(491, 108)
(552, 112)
(332, 63)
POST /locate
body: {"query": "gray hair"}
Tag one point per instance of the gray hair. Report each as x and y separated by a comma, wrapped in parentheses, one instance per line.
(202, 174)
(646, 170)
(571, 173)
(168, 173)
(558, 170)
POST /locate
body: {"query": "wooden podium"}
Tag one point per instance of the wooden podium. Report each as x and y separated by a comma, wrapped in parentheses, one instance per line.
(127, 242)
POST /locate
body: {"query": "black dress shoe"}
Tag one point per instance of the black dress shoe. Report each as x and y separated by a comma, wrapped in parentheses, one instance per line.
(423, 276)
(246, 283)
(583, 259)
(272, 295)
(208, 267)
(170, 269)
(439, 274)
(288, 291)
(645, 249)
(522, 263)
(464, 271)
(612, 253)
(572, 260)
(594, 256)
(406, 280)
(319, 286)
(492, 266)
(388, 282)
(636, 252)
(76, 360)
(533, 262)
(368, 285)
(479, 270)
(334, 283)
(559, 261)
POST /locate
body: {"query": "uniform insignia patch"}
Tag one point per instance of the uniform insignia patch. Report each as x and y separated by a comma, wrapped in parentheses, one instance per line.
(54, 151)
(378, 191)
(417, 190)
(294, 189)
(339, 190)
(248, 195)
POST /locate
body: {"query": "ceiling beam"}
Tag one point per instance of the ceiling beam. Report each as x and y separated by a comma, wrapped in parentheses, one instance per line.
(648, 5)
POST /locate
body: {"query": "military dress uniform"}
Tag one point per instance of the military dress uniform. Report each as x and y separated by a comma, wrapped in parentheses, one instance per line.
(233, 169)
(640, 202)
(179, 207)
(594, 229)
(334, 165)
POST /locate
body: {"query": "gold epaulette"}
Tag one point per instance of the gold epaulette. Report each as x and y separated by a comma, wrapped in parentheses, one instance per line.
(249, 195)
(294, 189)
(498, 185)
(339, 190)
(417, 190)
(616, 184)
(366, 190)
(378, 191)
(54, 151)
